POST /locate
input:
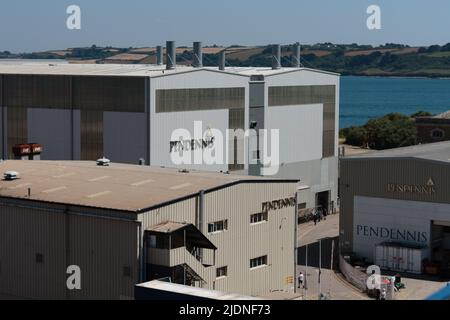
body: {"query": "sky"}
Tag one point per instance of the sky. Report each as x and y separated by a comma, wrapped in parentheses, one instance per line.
(27, 26)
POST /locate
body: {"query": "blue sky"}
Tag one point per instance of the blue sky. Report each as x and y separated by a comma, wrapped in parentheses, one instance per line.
(40, 25)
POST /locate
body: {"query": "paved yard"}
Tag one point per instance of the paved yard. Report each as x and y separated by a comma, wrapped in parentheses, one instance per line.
(333, 284)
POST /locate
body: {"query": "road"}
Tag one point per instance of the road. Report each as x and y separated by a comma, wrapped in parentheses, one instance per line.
(332, 284)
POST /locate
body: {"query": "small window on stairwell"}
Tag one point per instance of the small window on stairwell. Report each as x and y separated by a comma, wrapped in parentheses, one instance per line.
(222, 272)
(218, 226)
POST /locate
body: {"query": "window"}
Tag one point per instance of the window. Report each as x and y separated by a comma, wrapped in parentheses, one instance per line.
(258, 262)
(259, 217)
(222, 272)
(127, 271)
(39, 258)
(437, 134)
(218, 226)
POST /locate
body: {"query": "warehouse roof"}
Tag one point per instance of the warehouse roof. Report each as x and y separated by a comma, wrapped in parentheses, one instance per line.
(118, 187)
(138, 70)
(193, 291)
(439, 151)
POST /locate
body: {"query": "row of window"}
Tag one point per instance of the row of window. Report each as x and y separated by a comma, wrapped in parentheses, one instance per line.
(254, 263)
(220, 226)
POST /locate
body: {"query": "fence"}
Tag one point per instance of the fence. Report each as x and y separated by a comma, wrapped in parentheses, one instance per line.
(354, 276)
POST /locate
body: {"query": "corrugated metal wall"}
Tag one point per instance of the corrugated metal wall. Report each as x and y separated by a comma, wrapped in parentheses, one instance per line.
(370, 177)
(92, 96)
(242, 241)
(102, 248)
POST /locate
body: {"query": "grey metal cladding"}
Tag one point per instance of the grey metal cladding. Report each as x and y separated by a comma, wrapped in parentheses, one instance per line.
(370, 178)
(257, 94)
(321, 94)
(91, 135)
(117, 94)
(42, 126)
(176, 100)
(17, 128)
(298, 95)
(77, 92)
(36, 91)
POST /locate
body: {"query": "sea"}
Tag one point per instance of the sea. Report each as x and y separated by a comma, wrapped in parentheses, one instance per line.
(365, 98)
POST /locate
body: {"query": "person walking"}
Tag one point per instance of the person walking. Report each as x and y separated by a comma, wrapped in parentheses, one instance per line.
(383, 294)
(315, 217)
(301, 279)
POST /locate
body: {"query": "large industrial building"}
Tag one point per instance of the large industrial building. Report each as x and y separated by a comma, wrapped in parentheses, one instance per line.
(395, 208)
(126, 224)
(128, 113)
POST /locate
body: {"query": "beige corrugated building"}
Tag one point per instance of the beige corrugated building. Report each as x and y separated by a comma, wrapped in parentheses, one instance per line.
(125, 224)
(399, 196)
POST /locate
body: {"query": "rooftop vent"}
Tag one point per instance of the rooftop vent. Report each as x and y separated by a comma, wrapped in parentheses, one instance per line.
(103, 162)
(276, 57)
(296, 57)
(198, 55)
(11, 175)
(171, 55)
(159, 55)
(222, 60)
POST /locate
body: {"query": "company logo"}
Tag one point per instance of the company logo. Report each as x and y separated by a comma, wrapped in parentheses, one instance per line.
(428, 188)
(392, 234)
(215, 147)
(191, 145)
(278, 204)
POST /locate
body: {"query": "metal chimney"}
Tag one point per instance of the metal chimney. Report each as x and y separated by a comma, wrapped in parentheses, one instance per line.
(198, 55)
(296, 56)
(276, 56)
(222, 60)
(159, 55)
(171, 55)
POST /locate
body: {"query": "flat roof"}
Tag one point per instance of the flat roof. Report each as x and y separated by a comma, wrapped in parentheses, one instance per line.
(120, 187)
(439, 151)
(193, 291)
(135, 70)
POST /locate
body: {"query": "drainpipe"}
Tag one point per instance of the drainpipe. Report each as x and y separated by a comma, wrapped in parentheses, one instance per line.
(295, 243)
(201, 212)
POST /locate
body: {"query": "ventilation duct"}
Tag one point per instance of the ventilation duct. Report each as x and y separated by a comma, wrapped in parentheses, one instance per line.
(296, 57)
(198, 55)
(159, 55)
(171, 55)
(222, 60)
(276, 56)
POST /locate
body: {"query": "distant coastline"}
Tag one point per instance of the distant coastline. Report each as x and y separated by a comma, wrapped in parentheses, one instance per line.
(388, 60)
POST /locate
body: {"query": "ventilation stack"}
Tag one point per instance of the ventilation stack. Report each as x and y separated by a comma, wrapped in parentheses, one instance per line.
(276, 57)
(171, 55)
(222, 60)
(159, 55)
(296, 57)
(198, 55)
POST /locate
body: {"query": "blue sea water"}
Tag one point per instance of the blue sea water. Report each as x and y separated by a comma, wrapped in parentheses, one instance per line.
(364, 98)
